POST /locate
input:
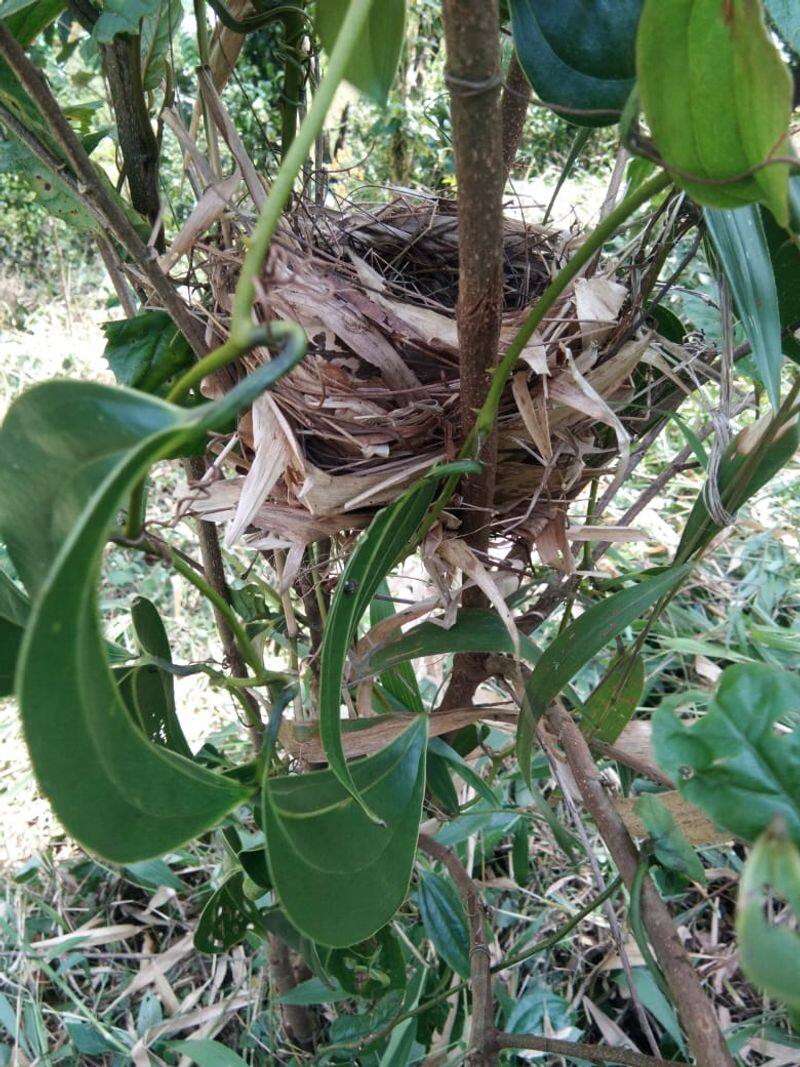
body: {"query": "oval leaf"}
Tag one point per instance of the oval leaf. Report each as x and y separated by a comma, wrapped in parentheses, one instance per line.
(579, 55)
(444, 920)
(373, 64)
(339, 876)
(718, 98)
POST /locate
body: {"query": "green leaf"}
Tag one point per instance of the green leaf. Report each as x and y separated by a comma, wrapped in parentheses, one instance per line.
(122, 16)
(613, 703)
(26, 20)
(387, 540)
(314, 991)
(52, 192)
(400, 681)
(226, 918)
(668, 841)
(14, 610)
(71, 451)
(785, 254)
(153, 874)
(442, 915)
(738, 479)
(578, 643)
(717, 98)
(731, 763)
(207, 1053)
(398, 1050)
(374, 60)
(440, 748)
(520, 855)
(786, 16)
(146, 351)
(579, 55)
(741, 246)
(769, 953)
(339, 876)
(157, 31)
(152, 688)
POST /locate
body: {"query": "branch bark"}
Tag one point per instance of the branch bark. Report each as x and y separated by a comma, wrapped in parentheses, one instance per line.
(573, 1050)
(483, 1052)
(695, 1010)
(516, 97)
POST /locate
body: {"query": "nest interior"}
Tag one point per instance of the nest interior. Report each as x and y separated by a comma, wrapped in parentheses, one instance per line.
(376, 400)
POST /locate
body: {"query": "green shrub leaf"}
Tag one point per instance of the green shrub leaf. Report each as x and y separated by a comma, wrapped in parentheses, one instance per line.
(579, 55)
(668, 841)
(444, 920)
(718, 98)
(152, 688)
(146, 351)
(613, 703)
(374, 60)
(731, 763)
(741, 246)
(14, 610)
(339, 876)
(226, 918)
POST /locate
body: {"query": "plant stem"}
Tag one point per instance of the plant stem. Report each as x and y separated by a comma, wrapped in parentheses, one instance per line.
(575, 1050)
(281, 190)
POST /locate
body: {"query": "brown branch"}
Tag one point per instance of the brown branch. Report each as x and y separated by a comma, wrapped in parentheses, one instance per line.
(516, 97)
(574, 1050)
(296, 1017)
(93, 191)
(482, 1054)
(694, 1008)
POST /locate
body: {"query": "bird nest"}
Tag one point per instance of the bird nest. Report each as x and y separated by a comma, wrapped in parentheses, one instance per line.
(375, 403)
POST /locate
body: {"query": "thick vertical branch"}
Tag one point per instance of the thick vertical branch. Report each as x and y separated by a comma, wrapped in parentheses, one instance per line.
(296, 1017)
(474, 79)
(516, 97)
(482, 1035)
(695, 1009)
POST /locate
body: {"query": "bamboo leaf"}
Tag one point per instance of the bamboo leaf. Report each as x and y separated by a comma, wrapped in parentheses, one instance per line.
(379, 549)
(578, 643)
(88, 444)
(340, 877)
(743, 253)
(731, 763)
(578, 55)
(373, 64)
(717, 98)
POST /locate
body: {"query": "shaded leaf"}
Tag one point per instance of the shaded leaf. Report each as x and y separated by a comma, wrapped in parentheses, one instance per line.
(146, 351)
(579, 55)
(14, 610)
(157, 31)
(668, 841)
(401, 1042)
(373, 63)
(770, 954)
(314, 991)
(226, 918)
(520, 855)
(339, 875)
(785, 256)
(152, 687)
(122, 16)
(717, 97)
(613, 703)
(445, 923)
(741, 246)
(731, 763)
(207, 1053)
(400, 681)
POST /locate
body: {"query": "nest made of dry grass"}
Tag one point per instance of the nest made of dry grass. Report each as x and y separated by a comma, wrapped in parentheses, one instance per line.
(376, 400)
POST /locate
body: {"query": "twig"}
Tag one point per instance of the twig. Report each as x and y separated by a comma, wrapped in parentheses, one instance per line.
(482, 1027)
(694, 1008)
(575, 1050)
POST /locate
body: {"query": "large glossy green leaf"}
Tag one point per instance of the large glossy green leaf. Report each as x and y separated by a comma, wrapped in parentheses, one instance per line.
(146, 351)
(445, 923)
(339, 875)
(579, 55)
(579, 642)
(741, 246)
(72, 451)
(613, 703)
(718, 98)
(373, 64)
(770, 953)
(387, 540)
(14, 610)
(732, 763)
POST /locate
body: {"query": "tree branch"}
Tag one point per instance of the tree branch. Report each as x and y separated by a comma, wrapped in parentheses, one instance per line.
(482, 1030)
(573, 1050)
(516, 97)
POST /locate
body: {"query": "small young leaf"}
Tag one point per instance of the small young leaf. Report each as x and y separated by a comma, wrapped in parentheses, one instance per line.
(770, 954)
(731, 763)
(718, 98)
(374, 60)
(146, 351)
(741, 245)
(613, 703)
(579, 55)
(445, 924)
(575, 646)
(669, 843)
(339, 876)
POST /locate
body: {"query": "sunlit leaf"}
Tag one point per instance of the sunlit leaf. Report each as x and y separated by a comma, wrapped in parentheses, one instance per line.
(373, 63)
(579, 55)
(339, 875)
(770, 953)
(146, 351)
(732, 763)
(717, 98)
(741, 246)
